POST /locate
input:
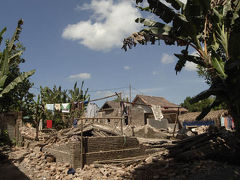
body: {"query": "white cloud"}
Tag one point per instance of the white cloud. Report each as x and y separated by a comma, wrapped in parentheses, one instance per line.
(126, 67)
(110, 23)
(190, 66)
(80, 76)
(104, 93)
(155, 73)
(167, 59)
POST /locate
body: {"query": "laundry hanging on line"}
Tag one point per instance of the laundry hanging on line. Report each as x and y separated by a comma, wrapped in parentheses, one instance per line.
(65, 107)
(58, 107)
(92, 110)
(50, 107)
(157, 112)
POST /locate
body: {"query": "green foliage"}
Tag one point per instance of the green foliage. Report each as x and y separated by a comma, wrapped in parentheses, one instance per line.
(5, 140)
(14, 84)
(200, 105)
(77, 95)
(58, 95)
(212, 28)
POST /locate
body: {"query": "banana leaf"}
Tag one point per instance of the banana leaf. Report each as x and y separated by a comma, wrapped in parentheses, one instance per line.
(1, 34)
(16, 81)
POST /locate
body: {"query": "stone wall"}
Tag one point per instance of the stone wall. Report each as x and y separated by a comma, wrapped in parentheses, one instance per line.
(11, 121)
(161, 124)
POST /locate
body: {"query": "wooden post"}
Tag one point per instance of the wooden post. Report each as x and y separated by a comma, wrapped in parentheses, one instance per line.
(130, 93)
(175, 122)
(122, 125)
(82, 160)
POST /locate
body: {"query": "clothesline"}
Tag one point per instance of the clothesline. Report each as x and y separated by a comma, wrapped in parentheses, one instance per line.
(65, 107)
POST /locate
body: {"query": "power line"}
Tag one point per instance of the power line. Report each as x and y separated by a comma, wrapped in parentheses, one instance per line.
(108, 89)
(137, 90)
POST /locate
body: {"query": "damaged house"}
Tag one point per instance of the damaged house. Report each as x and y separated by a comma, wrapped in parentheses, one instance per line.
(140, 112)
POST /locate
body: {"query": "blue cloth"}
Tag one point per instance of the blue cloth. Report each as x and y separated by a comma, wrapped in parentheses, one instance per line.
(222, 121)
(229, 122)
(75, 123)
(197, 123)
(71, 171)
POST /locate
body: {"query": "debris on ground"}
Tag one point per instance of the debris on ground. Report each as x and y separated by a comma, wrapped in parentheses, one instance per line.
(215, 144)
(207, 153)
(148, 131)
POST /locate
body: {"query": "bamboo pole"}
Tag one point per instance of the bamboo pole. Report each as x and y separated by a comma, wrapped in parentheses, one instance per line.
(175, 122)
(122, 126)
(82, 160)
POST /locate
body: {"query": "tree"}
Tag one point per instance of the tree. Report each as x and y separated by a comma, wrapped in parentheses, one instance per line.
(200, 105)
(38, 109)
(14, 84)
(211, 27)
(77, 95)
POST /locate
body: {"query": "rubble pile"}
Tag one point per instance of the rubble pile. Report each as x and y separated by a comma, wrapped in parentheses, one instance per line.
(215, 144)
(65, 135)
(90, 129)
(188, 132)
(36, 166)
(201, 129)
(28, 132)
(34, 163)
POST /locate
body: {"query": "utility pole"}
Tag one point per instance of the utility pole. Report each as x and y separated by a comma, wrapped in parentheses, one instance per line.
(130, 93)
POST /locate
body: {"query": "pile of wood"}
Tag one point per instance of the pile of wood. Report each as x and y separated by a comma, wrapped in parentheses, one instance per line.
(216, 145)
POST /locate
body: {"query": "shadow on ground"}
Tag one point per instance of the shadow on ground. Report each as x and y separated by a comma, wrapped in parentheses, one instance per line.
(8, 171)
(195, 170)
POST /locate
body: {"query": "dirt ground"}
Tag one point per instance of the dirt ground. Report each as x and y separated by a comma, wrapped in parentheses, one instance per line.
(153, 167)
(8, 171)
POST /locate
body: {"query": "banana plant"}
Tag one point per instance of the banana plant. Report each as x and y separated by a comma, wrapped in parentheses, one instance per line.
(6, 58)
(77, 94)
(212, 28)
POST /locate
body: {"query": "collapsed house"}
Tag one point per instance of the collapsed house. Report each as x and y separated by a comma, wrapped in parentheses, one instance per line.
(95, 143)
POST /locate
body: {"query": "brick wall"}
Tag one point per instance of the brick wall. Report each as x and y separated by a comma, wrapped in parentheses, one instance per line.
(62, 152)
(137, 117)
(95, 144)
(95, 149)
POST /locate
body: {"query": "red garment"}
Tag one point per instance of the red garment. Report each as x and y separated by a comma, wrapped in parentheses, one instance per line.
(225, 122)
(49, 123)
(233, 126)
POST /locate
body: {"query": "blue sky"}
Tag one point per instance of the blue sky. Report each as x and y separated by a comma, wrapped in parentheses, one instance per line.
(75, 40)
